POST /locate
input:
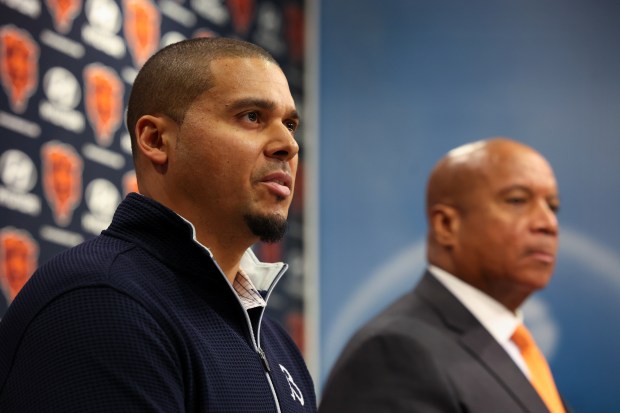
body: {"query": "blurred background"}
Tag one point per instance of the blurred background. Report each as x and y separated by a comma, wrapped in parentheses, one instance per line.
(384, 89)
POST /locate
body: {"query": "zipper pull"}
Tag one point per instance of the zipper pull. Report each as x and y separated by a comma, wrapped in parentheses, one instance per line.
(263, 358)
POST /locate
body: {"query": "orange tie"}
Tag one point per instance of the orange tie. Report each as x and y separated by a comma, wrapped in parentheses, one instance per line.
(540, 374)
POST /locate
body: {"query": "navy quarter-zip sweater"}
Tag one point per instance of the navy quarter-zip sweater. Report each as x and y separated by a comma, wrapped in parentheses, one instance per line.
(141, 319)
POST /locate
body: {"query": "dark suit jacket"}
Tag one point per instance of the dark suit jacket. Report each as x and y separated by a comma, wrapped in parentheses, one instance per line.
(427, 353)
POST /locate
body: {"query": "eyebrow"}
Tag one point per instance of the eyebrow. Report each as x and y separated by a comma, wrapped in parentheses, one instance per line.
(261, 104)
(525, 188)
(515, 187)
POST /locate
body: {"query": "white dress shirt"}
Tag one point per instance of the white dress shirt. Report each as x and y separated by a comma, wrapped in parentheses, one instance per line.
(495, 318)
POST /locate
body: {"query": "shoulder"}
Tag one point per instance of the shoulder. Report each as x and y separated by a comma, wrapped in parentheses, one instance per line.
(92, 339)
(409, 333)
(85, 265)
(396, 362)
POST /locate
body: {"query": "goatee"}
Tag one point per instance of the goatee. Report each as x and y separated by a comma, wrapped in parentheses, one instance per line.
(269, 228)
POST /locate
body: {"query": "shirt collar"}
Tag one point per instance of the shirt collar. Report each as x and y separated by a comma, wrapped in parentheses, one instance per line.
(496, 319)
(248, 295)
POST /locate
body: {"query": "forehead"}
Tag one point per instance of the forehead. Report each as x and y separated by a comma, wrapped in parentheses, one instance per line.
(239, 76)
(518, 167)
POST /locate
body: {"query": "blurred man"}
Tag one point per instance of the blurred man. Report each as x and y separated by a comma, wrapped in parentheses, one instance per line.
(448, 345)
(163, 312)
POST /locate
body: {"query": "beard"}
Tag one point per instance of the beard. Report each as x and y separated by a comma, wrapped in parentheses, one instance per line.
(269, 228)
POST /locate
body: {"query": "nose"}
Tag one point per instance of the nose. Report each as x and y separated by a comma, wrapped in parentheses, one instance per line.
(282, 144)
(546, 219)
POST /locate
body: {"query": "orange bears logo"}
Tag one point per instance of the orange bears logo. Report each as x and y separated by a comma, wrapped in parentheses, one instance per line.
(142, 29)
(104, 93)
(63, 13)
(242, 15)
(19, 66)
(18, 260)
(62, 179)
(130, 183)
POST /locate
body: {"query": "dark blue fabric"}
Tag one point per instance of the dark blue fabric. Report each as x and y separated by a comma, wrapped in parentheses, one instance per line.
(140, 319)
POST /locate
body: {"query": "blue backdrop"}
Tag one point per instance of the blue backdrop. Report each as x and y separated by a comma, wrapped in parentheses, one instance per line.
(402, 82)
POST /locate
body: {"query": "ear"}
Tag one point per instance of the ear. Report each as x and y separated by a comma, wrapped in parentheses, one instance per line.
(153, 137)
(444, 221)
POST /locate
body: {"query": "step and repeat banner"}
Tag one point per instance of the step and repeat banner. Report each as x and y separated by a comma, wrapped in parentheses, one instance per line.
(66, 69)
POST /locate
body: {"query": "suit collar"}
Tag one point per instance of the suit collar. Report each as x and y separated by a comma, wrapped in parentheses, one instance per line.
(477, 341)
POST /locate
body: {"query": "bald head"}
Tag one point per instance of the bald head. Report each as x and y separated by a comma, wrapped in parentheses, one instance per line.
(468, 166)
(491, 208)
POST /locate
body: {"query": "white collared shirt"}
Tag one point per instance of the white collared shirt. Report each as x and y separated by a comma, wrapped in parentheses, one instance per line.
(494, 317)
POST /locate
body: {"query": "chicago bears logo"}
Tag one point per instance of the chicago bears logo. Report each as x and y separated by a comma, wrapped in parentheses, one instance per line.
(130, 183)
(142, 29)
(63, 13)
(62, 179)
(242, 15)
(19, 66)
(104, 101)
(18, 260)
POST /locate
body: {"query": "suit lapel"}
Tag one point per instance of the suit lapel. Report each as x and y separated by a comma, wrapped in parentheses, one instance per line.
(482, 346)
(479, 343)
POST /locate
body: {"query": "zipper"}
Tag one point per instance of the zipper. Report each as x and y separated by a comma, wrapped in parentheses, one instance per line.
(263, 358)
(256, 340)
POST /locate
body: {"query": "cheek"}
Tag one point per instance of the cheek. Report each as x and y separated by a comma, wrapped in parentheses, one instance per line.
(491, 237)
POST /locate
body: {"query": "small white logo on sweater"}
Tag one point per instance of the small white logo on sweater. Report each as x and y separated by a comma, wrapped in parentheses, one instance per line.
(295, 392)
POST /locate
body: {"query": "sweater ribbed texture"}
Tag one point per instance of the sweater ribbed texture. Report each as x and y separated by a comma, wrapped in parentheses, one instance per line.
(140, 319)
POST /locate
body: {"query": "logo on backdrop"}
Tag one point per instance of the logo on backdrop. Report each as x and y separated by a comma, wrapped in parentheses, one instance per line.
(19, 253)
(62, 179)
(63, 95)
(104, 101)
(242, 15)
(63, 13)
(19, 176)
(142, 29)
(31, 8)
(104, 22)
(269, 28)
(19, 56)
(130, 183)
(102, 198)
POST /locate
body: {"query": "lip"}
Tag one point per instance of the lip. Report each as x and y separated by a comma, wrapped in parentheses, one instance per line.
(279, 183)
(542, 255)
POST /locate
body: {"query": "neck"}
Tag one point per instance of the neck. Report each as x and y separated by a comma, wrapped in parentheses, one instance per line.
(226, 241)
(229, 264)
(227, 251)
(510, 296)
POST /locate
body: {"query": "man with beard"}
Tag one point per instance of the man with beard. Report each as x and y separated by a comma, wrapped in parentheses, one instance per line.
(456, 343)
(164, 310)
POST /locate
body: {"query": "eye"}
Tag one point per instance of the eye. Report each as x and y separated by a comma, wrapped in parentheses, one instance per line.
(291, 125)
(252, 116)
(554, 207)
(516, 200)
